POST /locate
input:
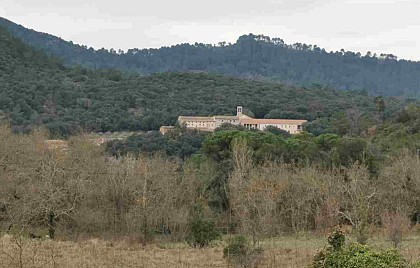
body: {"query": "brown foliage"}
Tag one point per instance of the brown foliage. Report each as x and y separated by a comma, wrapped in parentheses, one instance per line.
(396, 225)
(81, 191)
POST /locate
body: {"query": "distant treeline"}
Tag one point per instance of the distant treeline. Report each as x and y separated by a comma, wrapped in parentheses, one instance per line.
(252, 56)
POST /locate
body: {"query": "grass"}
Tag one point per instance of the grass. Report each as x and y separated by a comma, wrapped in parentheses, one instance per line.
(288, 251)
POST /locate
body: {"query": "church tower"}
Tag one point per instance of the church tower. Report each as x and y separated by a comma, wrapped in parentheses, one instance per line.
(239, 111)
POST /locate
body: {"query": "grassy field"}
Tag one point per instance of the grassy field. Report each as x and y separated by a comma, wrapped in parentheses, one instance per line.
(278, 252)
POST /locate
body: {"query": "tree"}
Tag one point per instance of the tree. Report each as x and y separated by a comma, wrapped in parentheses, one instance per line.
(252, 197)
(277, 131)
(358, 196)
(379, 105)
(350, 150)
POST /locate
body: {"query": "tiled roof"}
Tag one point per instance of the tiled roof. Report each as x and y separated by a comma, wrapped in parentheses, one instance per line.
(228, 117)
(272, 121)
(196, 118)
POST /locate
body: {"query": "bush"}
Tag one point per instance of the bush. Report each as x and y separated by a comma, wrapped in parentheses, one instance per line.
(358, 256)
(396, 225)
(239, 253)
(236, 246)
(336, 239)
(202, 231)
(277, 131)
(337, 255)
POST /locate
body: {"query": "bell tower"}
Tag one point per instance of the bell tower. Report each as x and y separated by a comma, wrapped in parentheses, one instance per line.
(238, 110)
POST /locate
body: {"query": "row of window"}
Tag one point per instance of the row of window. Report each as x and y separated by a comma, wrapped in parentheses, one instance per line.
(192, 124)
(228, 121)
(285, 126)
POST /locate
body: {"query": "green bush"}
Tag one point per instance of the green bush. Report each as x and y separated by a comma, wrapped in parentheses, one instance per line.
(336, 239)
(239, 253)
(237, 246)
(358, 256)
(337, 255)
(202, 231)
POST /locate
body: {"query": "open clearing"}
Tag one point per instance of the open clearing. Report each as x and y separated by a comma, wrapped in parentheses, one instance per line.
(279, 252)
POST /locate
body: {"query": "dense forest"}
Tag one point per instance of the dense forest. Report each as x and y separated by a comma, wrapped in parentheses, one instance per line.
(38, 89)
(252, 56)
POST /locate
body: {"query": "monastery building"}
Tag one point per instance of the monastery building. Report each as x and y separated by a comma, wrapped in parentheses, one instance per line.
(213, 122)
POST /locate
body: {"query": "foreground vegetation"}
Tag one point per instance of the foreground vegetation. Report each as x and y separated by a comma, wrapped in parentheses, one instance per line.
(82, 192)
(287, 252)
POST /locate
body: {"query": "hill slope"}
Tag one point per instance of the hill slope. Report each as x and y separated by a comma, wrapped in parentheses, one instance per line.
(35, 89)
(251, 56)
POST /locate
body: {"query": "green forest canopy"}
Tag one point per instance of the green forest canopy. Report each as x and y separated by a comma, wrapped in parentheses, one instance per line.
(252, 56)
(36, 89)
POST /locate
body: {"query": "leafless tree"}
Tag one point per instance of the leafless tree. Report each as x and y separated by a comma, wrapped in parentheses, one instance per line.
(357, 198)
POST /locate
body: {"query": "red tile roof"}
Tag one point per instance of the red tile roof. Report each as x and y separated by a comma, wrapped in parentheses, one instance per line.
(195, 119)
(273, 121)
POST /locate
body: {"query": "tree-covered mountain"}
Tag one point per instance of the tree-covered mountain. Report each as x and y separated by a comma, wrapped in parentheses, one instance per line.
(252, 56)
(37, 89)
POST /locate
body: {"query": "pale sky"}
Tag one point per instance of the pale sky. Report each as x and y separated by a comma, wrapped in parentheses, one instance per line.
(381, 26)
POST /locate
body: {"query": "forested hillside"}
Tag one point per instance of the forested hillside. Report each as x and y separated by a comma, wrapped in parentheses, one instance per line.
(36, 89)
(251, 56)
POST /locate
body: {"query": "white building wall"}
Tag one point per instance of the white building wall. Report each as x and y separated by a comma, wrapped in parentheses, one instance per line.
(200, 124)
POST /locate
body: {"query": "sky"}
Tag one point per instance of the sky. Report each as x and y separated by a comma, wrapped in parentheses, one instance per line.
(381, 26)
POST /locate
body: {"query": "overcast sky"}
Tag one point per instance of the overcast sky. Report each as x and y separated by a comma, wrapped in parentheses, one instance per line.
(381, 26)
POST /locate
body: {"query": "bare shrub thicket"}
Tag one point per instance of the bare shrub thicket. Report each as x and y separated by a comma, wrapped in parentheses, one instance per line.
(251, 199)
(81, 191)
(144, 194)
(400, 185)
(19, 251)
(357, 194)
(277, 198)
(307, 193)
(396, 226)
(398, 204)
(19, 161)
(139, 196)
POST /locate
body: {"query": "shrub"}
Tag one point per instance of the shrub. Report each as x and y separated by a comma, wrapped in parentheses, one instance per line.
(239, 253)
(236, 246)
(396, 225)
(355, 255)
(358, 256)
(202, 231)
(336, 239)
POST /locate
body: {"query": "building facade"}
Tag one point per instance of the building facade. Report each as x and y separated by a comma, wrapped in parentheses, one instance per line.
(198, 122)
(213, 122)
(165, 129)
(289, 125)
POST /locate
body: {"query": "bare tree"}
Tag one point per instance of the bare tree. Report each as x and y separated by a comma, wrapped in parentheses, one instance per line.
(400, 185)
(357, 198)
(253, 194)
(396, 225)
